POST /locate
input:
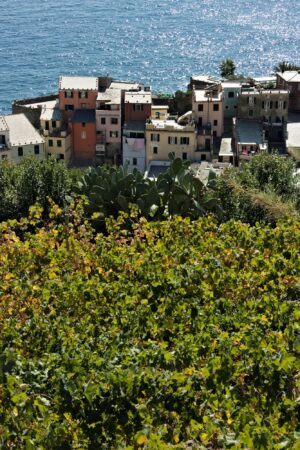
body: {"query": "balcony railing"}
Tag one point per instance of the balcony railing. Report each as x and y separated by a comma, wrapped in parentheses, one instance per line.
(56, 132)
(3, 147)
(204, 130)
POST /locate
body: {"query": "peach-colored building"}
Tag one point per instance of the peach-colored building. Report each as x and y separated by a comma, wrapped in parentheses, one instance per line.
(109, 124)
(208, 114)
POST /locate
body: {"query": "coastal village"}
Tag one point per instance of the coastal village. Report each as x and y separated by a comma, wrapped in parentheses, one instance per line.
(96, 120)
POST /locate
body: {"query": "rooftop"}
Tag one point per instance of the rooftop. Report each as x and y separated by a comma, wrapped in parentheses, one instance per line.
(3, 124)
(167, 124)
(249, 132)
(126, 85)
(21, 131)
(231, 84)
(204, 79)
(291, 76)
(203, 96)
(50, 113)
(141, 97)
(84, 116)
(78, 83)
(110, 96)
(45, 104)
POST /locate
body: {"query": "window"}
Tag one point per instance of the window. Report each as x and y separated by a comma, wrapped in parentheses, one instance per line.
(155, 150)
(172, 140)
(83, 124)
(276, 105)
(284, 105)
(155, 137)
(138, 107)
(114, 121)
(4, 156)
(157, 115)
(215, 123)
(250, 112)
(200, 108)
(271, 105)
(184, 141)
(216, 107)
(184, 155)
(267, 104)
(250, 101)
(36, 149)
(214, 133)
(263, 105)
(53, 123)
(68, 94)
(279, 104)
(47, 125)
(61, 156)
(83, 135)
(230, 94)
(20, 151)
(50, 143)
(84, 105)
(134, 161)
(69, 107)
(83, 94)
(58, 143)
(102, 120)
(113, 134)
(226, 107)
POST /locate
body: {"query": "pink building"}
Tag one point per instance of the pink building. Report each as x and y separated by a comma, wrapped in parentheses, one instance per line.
(109, 124)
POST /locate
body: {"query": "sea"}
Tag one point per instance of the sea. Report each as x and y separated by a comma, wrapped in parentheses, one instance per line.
(159, 42)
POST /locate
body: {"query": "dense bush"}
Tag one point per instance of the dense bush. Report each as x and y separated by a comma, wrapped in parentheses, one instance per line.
(175, 331)
(264, 189)
(30, 182)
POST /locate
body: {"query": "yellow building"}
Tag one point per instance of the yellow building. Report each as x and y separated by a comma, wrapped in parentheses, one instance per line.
(57, 138)
(159, 112)
(166, 136)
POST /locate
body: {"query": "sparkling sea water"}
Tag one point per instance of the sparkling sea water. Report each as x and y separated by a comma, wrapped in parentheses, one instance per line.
(159, 42)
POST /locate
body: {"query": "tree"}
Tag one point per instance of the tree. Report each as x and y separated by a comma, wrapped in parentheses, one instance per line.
(227, 68)
(283, 66)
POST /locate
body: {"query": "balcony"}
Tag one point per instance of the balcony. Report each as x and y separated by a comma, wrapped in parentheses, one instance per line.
(56, 133)
(101, 139)
(204, 130)
(3, 147)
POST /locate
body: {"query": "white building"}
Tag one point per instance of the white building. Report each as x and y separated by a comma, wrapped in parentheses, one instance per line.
(19, 138)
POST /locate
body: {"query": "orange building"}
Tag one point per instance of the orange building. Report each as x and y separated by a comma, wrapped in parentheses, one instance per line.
(83, 125)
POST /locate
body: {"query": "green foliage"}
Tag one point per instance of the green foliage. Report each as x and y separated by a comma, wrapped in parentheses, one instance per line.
(264, 189)
(227, 68)
(30, 182)
(284, 66)
(180, 103)
(171, 332)
(176, 192)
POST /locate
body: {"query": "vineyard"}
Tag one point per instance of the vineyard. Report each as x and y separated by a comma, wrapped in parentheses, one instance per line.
(172, 334)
